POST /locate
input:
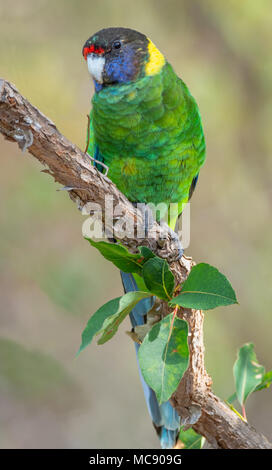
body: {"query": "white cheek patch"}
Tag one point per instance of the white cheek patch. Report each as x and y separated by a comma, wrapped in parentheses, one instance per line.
(96, 66)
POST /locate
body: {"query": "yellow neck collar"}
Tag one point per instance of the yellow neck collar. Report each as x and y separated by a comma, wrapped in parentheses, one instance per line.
(156, 60)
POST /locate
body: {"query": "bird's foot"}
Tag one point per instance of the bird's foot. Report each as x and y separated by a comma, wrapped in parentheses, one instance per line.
(174, 246)
(98, 162)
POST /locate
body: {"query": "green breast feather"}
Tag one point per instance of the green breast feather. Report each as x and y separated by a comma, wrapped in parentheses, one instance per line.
(149, 134)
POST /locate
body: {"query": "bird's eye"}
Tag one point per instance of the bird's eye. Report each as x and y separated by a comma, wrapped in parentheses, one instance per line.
(116, 45)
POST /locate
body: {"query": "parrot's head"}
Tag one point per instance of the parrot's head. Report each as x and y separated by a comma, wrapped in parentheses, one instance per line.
(120, 55)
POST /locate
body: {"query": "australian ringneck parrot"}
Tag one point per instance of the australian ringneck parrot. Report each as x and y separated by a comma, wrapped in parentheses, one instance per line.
(146, 128)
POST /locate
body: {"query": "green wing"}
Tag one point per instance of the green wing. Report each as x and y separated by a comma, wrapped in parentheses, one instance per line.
(93, 148)
(150, 135)
(90, 136)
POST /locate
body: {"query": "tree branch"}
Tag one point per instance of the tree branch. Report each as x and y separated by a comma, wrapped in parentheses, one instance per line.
(195, 402)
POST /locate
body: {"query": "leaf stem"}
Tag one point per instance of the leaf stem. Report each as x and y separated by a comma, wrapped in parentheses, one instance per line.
(244, 412)
(175, 311)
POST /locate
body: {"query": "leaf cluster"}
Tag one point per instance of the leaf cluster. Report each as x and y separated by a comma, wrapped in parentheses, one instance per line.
(164, 353)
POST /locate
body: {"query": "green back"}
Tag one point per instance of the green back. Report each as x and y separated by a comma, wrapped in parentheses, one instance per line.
(149, 134)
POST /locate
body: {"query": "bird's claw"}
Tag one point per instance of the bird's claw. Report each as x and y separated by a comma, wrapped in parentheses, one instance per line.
(98, 162)
(175, 247)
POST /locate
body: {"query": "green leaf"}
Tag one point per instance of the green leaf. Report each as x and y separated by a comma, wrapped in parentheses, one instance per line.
(146, 253)
(119, 256)
(205, 288)
(111, 324)
(140, 283)
(102, 320)
(232, 398)
(191, 439)
(266, 381)
(158, 278)
(248, 374)
(164, 356)
(158, 275)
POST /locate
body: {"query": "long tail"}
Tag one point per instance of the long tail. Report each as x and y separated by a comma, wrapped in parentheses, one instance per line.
(164, 416)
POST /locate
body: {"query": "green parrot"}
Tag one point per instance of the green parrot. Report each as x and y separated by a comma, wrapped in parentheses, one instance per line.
(146, 128)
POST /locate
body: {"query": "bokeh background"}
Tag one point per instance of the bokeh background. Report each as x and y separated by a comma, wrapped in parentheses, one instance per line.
(51, 280)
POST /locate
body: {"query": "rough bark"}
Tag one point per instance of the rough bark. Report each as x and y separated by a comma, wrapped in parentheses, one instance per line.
(21, 122)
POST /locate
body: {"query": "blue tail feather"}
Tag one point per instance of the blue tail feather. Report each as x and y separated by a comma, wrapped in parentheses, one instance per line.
(164, 416)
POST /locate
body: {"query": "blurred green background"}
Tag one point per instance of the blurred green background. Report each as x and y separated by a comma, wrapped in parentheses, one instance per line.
(52, 280)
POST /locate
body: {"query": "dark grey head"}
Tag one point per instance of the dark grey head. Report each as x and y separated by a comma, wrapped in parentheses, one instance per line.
(116, 55)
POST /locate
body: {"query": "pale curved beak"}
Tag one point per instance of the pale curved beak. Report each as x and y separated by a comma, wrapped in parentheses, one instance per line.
(96, 66)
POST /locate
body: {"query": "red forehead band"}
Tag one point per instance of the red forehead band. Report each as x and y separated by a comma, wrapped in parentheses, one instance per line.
(92, 50)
